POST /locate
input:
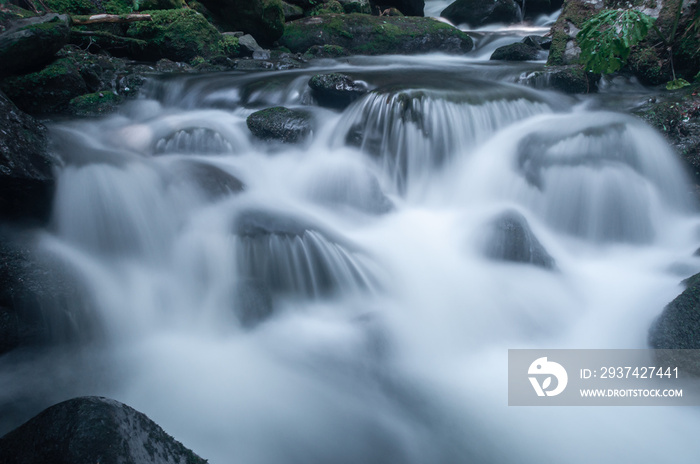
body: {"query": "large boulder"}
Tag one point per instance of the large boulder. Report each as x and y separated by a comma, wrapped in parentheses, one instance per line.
(533, 8)
(28, 44)
(92, 430)
(26, 177)
(407, 7)
(281, 124)
(263, 19)
(374, 35)
(570, 79)
(336, 90)
(511, 239)
(479, 12)
(178, 35)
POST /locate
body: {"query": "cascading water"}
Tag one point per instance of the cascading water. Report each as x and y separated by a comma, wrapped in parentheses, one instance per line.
(352, 298)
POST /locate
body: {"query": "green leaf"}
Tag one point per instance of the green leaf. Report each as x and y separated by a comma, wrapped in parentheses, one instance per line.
(677, 84)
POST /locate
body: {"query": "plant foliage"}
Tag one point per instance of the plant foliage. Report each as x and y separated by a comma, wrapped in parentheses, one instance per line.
(677, 84)
(607, 38)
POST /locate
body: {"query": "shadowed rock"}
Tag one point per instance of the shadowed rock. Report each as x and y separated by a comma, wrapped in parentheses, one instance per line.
(478, 12)
(516, 52)
(30, 43)
(92, 430)
(336, 90)
(281, 124)
(510, 239)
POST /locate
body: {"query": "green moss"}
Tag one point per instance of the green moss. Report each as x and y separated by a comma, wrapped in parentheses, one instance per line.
(93, 104)
(118, 6)
(230, 45)
(328, 8)
(74, 7)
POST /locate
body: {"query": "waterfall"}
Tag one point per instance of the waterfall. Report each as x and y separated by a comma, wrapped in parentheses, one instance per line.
(352, 299)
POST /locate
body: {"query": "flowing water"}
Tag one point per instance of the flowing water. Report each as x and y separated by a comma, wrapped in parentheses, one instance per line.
(336, 300)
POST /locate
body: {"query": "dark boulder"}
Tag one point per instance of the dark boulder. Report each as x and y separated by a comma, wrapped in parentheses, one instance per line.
(534, 8)
(213, 181)
(92, 430)
(28, 44)
(263, 19)
(356, 6)
(516, 52)
(407, 7)
(336, 90)
(292, 12)
(281, 124)
(248, 45)
(538, 41)
(510, 239)
(47, 91)
(374, 35)
(478, 12)
(26, 176)
(678, 327)
(570, 79)
(325, 51)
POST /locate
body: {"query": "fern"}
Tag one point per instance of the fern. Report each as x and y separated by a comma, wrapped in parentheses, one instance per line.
(608, 37)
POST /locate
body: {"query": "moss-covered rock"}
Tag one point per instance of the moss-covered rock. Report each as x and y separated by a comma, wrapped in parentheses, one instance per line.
(292, 12)
(356, 6)
(73, 7)
(179, 35)
(325, 51)
(564, 49)
(571, 79)
(332, 6)
(516, 52)
(407, 7)
(145, 5)
(28, 44)
(47, 91)
(95, 104)
(92, 430)
(479, 12)
(263, 19)
(372, 35)
(280, 124)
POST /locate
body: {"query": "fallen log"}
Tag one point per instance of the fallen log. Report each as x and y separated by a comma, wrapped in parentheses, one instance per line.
(109, 18)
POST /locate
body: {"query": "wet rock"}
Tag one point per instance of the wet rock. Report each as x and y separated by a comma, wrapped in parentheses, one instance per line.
(248, 45)
(147, 5)
(407, 7)
(678, 326)
(516, 52)
(534, 8)
(373, 35)
(26, 176)
(28, 44)
(510, 239)
(95, 104)
(94, 430)
(281, 124)
(356, 6)
(336, 90)
(292, 12)
(570, 79)
(47, 91)
(478, 12)
(538, 41)
(212, 180)
(325, 51)
(263, 19)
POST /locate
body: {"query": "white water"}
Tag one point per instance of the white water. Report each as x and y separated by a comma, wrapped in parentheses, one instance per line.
(341, 310)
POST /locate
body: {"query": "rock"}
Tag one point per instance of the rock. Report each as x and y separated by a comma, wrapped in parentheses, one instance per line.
(336, 90)
(538, 41)
(146, 5)
(26, 176)
(179, 35)
(95, 104)
(47, 91)
(92, 430)
(292, 12)
(678, 326)
(533, 8)
(263, 19)
(373, 35)
(510, 239)
(325, 51)
(282, 124)
(248, 45)
(28, 44)
(82, 7)
(570, 79)
(677, 117)
(564, 49)
(213, 181)
(356, 6)
(516, 52)
(478, 12)
(407, 7)
(328, 7)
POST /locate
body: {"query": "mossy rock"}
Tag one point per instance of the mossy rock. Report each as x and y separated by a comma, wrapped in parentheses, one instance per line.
(280, 124)
(47, 91)
(327, 8)
(356, 6)
(571, 19)
(325, 51)
(516, 52)
(263, 19)
(479, 12)
(374, 35)
(146, 5)
(335, 90)
(73, 7)
(28, 44)
(179, 35)
(95, 104)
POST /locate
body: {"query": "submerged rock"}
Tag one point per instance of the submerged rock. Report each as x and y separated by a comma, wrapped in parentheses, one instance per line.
(375, 35)
(280, 123)
(26, 175)
(30, 43)
(479, 12)
(516, 52)
(92, 430)
(510, 239)
(336, 90)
